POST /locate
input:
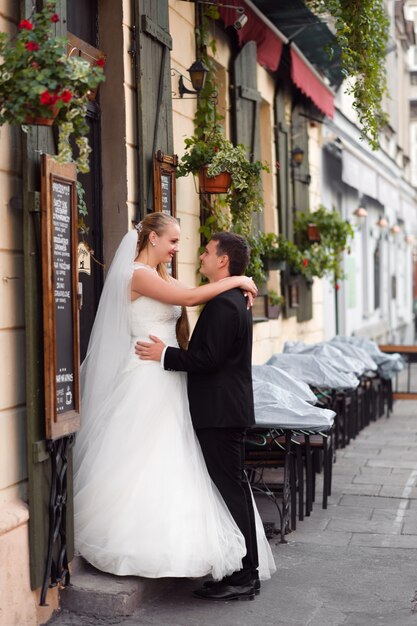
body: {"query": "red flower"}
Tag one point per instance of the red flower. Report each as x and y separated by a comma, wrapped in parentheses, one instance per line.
(55, 17)
(48, 98)
(216, 149)
(25, 24)
(32, 46)
(101, 62)
(337, 286)
(35, 65)
(305, 262)
(66, 95)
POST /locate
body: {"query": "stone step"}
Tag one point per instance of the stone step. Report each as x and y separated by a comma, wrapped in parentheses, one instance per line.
(92, 592)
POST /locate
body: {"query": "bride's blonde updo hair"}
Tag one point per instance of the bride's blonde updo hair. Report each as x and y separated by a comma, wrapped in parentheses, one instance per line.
(158, 222)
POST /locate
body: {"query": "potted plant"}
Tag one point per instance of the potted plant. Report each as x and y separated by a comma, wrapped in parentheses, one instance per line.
(275, 303)
(324, 256)
(279, 253)
(270, 251)
(41, 84)
(212, 156)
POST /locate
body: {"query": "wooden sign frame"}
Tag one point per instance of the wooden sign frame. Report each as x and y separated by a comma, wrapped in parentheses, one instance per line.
(59, 231)
(164, 167)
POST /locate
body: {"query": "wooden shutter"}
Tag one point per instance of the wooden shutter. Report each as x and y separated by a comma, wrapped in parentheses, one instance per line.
(154, 91)
(302, 200)
(247, 102)
(39, 140)
(302, 173)
(282, 133)
(290, 285)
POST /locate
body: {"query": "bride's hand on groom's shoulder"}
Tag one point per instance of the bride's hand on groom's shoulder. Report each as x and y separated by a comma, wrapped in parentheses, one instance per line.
(150, 351)
(251, 291)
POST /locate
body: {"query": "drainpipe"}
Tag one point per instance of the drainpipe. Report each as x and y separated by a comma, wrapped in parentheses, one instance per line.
(133, 52)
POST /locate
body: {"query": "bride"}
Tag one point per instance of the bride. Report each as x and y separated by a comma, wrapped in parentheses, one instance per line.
(144, 502)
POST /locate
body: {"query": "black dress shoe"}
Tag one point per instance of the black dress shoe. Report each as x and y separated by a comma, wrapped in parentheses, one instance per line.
(255, 582)
(217, 591)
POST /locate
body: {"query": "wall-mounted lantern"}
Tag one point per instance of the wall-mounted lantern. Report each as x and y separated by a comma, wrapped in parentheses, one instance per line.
(382, 223)
(198, 72)
(297, 156)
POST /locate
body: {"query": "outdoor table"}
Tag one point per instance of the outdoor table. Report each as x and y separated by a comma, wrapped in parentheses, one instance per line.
(278, 436)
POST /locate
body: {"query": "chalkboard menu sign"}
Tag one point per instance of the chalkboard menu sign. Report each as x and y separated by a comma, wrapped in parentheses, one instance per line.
(60, 282)
(166, 194)
(164, 166)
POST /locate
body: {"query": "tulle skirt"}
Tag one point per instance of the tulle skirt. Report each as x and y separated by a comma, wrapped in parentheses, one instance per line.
(144, 502)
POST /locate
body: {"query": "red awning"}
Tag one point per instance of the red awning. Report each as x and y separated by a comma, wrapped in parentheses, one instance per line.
(310, 84)
(268, 43)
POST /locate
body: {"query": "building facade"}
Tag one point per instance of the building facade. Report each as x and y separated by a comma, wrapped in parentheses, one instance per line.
(275, 96)
(376, 299)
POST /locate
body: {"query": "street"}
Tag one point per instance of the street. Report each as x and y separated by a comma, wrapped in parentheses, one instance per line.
(352, 564)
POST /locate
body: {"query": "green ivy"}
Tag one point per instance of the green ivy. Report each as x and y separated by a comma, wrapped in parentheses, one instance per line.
(362, 29)
(324, 258)
(233, 210)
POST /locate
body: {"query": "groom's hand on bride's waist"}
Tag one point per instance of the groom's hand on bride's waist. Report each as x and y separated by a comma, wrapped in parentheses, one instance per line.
(150, 351)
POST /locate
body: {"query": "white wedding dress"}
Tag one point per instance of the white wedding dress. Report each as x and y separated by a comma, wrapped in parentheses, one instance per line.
(144, 502)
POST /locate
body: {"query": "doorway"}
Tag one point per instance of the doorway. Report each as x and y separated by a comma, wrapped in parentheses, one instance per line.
(82, 21)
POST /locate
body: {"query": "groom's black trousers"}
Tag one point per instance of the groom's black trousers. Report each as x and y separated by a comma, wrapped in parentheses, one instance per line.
(224, 453)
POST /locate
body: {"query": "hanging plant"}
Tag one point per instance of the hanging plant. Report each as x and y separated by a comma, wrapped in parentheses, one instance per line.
(269, 246)
(39, 83)
(362, 30)
(218, 154)
(324, 256)
(209, 147)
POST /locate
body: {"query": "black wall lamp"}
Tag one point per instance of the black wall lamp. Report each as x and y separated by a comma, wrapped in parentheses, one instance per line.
(198, 72)
(297, 158)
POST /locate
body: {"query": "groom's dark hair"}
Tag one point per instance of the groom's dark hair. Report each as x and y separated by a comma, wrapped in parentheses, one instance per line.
(236, 248)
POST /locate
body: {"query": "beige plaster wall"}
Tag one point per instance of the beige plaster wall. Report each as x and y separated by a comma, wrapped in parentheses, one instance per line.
(181, 26)
(119, 180)
(19, 606)
(12, 385)
(268, 336)
(18, 603)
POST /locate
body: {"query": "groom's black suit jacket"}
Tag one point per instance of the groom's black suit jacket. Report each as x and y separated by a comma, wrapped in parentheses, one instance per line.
(218, 362)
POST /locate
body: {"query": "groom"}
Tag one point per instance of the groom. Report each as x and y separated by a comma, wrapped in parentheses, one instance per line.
(218, 362)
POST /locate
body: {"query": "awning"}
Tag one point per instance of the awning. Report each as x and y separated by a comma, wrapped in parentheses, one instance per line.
(308, 32)
(270, 42)
(310, 84)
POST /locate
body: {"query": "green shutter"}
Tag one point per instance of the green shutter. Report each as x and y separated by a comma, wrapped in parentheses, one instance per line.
(302, 200)
(283, 157)
(39, 140)
(247, 103)
(154, 91)
(301, 174)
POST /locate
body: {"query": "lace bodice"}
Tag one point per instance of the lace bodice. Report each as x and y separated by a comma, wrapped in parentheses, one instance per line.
(150, 317)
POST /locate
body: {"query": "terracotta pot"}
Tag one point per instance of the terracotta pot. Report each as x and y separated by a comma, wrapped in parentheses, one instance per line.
(213, 184)
(313, 233)
(42, 121)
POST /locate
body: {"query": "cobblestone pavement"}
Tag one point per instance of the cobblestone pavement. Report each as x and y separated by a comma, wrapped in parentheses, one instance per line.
(352, 564)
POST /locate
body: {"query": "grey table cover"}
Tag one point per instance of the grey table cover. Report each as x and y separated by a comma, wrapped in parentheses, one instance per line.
(339, 360)
(314, 370)
(281, 378)
(278, 408)
(388, 364)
